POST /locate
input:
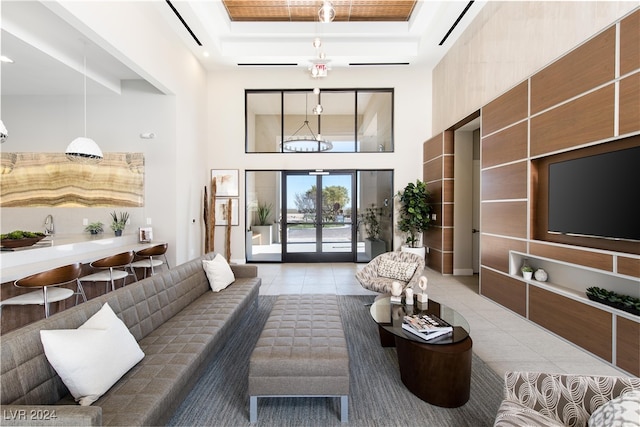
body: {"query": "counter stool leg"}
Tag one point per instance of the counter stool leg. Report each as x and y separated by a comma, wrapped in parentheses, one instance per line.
(46, 302)
(80, 291)
(135, 276)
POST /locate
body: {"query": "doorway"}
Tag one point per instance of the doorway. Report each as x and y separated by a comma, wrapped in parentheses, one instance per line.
(318, 224)
(466, 233)
(318, 215)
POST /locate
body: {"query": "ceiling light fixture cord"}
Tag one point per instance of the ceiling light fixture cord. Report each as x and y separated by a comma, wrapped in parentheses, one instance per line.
(84, 87)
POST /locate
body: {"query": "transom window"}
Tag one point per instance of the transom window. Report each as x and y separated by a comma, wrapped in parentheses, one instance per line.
(329, 120)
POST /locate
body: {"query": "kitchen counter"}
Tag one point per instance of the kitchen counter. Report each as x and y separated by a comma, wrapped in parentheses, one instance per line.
(58, 250)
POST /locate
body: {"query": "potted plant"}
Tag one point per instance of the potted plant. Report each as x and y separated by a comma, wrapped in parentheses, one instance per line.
(373, 245)
(527, 272)
(119, 222)
(414, 215)
(19, 238)
(263, 227)
(95, 227)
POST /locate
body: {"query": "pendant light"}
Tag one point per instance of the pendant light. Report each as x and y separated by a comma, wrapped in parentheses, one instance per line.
(306, 142)
(4, 134)
(326, 13)
(83, 149)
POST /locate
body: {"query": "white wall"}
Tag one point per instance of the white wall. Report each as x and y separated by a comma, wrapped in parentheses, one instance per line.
(507, 42)
(135, 32)
(226, 150)
(48, 123)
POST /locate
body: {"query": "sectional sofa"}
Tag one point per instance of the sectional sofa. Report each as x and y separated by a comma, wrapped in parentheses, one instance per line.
(177, 321)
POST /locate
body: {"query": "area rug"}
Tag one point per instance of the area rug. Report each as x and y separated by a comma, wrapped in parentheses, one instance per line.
(377, 396)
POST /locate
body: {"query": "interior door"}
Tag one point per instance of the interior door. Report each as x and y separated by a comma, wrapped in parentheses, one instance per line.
(318, 224)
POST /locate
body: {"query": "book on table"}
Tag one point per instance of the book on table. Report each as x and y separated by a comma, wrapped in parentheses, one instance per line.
(426, 326)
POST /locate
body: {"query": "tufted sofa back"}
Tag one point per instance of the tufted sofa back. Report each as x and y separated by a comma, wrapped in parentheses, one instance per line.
(27, 378)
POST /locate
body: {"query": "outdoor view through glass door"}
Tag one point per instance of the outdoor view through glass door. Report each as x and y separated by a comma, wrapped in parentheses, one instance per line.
(318, 216)
(318, 222)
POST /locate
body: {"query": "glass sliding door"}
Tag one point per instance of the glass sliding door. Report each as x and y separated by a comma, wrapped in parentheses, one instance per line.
(318, 225)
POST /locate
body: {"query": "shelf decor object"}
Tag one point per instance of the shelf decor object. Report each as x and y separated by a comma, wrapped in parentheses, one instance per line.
(540, 275)
(612, 299)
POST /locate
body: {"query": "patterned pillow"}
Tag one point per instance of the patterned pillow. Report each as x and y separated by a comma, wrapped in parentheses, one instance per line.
(618, 412)
(397, 270)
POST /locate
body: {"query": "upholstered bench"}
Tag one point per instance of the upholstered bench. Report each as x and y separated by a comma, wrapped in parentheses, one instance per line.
(301, 352)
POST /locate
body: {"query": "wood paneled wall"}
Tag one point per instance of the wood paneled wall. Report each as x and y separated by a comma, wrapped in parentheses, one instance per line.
(574, 102)
(437, 173)
(589, 97)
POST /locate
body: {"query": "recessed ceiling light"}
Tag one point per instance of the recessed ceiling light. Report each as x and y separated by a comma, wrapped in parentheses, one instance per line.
(205, 54)
(6, 59)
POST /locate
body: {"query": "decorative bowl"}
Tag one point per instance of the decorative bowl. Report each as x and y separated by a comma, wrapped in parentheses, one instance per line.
(20, 243)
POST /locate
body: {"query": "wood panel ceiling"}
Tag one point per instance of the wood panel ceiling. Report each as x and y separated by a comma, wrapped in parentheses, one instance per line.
(301, 10)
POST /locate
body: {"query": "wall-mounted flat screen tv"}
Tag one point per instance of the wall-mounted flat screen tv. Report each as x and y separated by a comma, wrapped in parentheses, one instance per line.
(597, 196)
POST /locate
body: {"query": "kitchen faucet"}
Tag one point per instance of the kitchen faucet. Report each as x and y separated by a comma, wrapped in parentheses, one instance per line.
(48, 225)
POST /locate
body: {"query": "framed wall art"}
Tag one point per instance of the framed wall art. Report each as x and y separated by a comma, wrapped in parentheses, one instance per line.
(222, 213)
(227, 182)
(145, 234)
(50, 180)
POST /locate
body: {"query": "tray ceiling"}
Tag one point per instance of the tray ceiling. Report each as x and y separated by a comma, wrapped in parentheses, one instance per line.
(300, 11)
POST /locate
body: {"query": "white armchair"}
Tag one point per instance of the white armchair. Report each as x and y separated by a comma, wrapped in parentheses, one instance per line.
(389, 267)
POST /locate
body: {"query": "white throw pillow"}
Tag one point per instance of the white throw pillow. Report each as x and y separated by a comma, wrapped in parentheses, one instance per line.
(218, 273)
(623, 411)
(397, 269)
(93, 357)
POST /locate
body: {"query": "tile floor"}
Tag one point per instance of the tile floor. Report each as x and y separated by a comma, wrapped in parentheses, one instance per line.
(504, 340)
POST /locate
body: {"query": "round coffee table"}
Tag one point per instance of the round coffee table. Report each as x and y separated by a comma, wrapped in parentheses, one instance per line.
(437, 371)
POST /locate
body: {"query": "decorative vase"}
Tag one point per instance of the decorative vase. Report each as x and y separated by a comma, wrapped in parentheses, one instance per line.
(408, 296)
(396, 292)
(541, 275)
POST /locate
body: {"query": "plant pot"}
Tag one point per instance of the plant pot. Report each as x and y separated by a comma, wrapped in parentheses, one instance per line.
(266, 233)
(421, 251)
(118, 233)
(527, 275)
(619, 306)
(373, 248)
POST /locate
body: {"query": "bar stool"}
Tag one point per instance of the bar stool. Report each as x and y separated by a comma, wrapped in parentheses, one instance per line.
(48, 281)
(114, 268)
(150, 262)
